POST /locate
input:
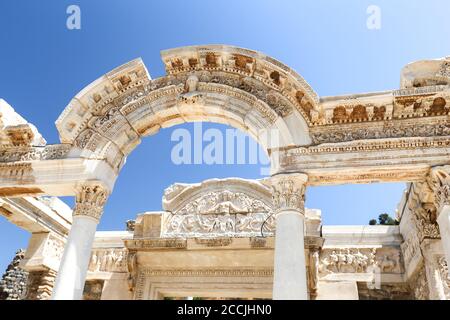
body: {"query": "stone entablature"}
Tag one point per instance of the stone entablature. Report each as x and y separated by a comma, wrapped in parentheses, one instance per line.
(165, 261)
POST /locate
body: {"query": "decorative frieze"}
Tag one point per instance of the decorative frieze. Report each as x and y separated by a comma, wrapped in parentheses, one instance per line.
(238, 272)
(439, 126)
(214, 242)
(360, 260)
(168, 243)
(49, 152)
(108, 260)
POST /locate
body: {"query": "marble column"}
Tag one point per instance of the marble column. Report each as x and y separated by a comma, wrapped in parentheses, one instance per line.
(288, 191)
(440, 182)
(72, 272)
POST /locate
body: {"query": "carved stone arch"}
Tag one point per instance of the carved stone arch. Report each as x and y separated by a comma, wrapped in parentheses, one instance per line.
(233, 86)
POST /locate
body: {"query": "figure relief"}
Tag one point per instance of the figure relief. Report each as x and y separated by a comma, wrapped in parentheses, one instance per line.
(108, 260)
(351, 260)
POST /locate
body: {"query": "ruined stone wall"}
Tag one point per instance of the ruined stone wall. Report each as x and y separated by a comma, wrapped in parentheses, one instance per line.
(13, 285)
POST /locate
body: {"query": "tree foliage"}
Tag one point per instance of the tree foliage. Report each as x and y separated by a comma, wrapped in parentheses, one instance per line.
(384, 219)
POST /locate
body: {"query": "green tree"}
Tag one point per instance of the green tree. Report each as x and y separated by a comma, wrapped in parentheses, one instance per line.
(384, 219)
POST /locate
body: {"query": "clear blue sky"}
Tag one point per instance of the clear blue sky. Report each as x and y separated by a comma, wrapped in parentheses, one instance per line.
(43, 65)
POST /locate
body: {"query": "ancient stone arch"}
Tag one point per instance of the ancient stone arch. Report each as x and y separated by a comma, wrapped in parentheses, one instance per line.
(241, 88)
(397, 135)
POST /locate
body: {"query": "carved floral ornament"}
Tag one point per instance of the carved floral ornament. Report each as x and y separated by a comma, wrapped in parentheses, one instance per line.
(288, 192)
(440, 182)
(423, 210)
(90, 200)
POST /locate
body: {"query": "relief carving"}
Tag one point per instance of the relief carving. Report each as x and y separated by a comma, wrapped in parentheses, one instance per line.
(219, 213)
(347, 260)
(353, 260)
(108, 260)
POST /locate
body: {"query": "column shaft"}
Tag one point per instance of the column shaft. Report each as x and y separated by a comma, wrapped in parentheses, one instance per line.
(290, 281)
(73, 269)
(290, 268)
(75, 261)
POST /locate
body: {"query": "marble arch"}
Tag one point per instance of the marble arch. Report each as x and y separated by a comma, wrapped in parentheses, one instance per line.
(222, 84)
(396, 135)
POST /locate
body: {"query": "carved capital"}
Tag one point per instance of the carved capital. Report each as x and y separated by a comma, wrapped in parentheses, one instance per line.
(440, 183)
(288, 192)
(90, 200)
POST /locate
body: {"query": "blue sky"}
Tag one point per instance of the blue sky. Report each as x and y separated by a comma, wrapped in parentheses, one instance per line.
(43, 65)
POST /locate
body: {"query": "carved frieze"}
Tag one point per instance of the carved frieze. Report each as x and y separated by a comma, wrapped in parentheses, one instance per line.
(108, 260)
(214, 242)
(394, 129)
(360, 260)
(169, 243)
(247, 70)
(49, 152)
(210, 210)
(346, 260)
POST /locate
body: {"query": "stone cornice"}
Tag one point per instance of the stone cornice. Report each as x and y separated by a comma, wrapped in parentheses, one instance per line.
(402, 159)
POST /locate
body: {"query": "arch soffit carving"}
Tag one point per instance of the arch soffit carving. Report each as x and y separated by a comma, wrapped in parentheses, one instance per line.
(234, 86)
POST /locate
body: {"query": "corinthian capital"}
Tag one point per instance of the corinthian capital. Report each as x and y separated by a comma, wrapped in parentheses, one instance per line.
(288, 192)
(90, 200)
(440, 183)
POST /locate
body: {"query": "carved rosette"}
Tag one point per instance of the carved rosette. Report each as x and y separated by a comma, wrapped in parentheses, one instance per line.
(90, 201)
(288, 192)
(440, 182)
